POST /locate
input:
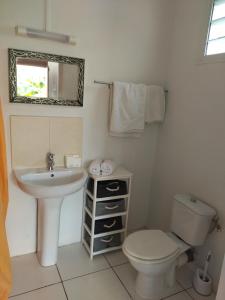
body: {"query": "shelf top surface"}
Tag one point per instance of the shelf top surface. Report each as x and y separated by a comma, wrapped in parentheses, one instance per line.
(119, 172)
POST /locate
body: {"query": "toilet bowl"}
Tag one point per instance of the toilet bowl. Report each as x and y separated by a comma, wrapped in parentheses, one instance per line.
(154, 255)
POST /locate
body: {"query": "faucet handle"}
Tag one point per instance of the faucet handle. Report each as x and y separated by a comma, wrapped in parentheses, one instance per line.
(50, 154)
(50, 161)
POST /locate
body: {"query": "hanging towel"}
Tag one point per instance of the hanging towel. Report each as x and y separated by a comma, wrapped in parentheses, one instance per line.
(5, 269)
(107, 167)
(127, 117)
(95, 167)
(155, 104)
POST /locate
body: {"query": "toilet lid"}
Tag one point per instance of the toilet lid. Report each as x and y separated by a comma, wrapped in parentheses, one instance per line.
(150, 245)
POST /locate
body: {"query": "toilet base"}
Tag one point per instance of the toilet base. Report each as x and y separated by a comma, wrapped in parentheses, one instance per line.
(148, 287)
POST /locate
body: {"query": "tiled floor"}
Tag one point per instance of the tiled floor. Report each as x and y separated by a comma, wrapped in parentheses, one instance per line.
(107, 277)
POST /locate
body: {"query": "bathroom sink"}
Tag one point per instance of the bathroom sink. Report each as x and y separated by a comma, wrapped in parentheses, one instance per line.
(50, 188)
(50, 184)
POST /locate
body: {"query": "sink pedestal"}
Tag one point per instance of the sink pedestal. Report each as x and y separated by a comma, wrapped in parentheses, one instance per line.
(48, 230)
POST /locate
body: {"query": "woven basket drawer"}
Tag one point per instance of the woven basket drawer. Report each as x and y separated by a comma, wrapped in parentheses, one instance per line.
(106, 207)
(108, 188)
(104, 225)
(101, 243)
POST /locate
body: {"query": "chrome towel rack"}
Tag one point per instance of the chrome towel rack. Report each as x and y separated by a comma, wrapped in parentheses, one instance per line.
(111, 83)
(103, 82)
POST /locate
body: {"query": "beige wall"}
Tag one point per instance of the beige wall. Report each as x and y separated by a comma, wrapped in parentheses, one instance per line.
(191, 150)
(120, 40)
(33, 137)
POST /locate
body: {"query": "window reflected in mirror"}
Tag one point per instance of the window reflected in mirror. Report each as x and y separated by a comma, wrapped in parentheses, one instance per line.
(32, 78)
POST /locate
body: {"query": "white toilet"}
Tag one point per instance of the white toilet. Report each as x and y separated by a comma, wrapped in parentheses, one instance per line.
(155, 254)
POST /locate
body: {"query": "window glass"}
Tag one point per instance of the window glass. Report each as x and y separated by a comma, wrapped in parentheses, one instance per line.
(32, 81)
(216, 36)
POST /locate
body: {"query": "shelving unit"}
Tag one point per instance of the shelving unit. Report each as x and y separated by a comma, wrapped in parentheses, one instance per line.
(106, 207)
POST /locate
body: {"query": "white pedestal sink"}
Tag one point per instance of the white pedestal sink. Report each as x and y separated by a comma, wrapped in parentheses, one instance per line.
(49, 188)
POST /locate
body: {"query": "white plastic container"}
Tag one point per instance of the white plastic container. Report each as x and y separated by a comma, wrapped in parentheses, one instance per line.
(72, 161)
(203, 287)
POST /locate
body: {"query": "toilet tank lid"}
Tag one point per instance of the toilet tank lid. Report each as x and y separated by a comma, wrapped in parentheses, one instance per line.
(196, 205)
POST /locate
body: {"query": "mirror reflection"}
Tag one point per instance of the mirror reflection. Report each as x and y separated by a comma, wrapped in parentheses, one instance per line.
(38, 78)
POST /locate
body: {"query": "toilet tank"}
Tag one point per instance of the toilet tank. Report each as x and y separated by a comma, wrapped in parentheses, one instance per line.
(191, 219)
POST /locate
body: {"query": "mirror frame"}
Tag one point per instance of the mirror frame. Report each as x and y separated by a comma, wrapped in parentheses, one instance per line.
(12, 56)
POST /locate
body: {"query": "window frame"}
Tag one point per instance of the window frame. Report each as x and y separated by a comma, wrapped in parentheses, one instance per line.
(203, 57)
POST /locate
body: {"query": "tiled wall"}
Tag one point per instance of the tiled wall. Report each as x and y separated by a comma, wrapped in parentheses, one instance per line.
(33, 137)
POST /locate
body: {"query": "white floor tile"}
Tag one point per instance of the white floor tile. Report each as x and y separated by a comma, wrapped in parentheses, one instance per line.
(127, 275)
(28, 274)
(116, 258)
(53, 292)
(74, 261)
(196, 296)
(185, 276)
(180, 296)
(102, 285)
(173, 290)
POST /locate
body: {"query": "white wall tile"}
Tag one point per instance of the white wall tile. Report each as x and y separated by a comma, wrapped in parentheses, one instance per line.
(29, 141)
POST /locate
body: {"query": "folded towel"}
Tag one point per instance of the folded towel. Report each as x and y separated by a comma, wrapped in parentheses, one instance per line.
(155, 104)
(95, 167)
(127, 109)
(107, 167)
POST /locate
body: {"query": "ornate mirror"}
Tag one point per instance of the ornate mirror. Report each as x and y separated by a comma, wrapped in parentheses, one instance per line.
(41, 78)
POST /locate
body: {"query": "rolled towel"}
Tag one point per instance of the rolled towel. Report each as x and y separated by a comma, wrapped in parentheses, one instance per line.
(107, 167)
(95, 167)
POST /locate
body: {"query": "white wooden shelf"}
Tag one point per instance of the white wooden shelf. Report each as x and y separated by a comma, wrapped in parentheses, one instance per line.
(86, 246)
(88, 211)
(113, 198)
(120, 174)
(87, 229)
(123, 213)
(109, 233)
(107, 198)
(110, 215)
(107, 250)
(104, 233)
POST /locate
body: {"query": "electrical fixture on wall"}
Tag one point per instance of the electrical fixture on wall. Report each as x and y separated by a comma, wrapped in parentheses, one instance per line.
(35, 33)
(46, 33)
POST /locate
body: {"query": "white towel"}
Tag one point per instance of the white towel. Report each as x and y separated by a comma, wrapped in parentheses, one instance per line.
(95, 167)
(127, 109)
(107, 167)
(155, 104)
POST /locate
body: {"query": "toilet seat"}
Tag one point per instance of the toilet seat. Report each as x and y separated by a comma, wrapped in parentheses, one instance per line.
(150, 245)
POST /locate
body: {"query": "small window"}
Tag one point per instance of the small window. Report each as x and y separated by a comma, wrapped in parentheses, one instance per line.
(216, 34)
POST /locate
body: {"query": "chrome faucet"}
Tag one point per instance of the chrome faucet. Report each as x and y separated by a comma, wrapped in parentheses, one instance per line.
(50, 161)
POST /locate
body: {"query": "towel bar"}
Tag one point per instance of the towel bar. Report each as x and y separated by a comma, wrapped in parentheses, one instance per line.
(110, 84)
